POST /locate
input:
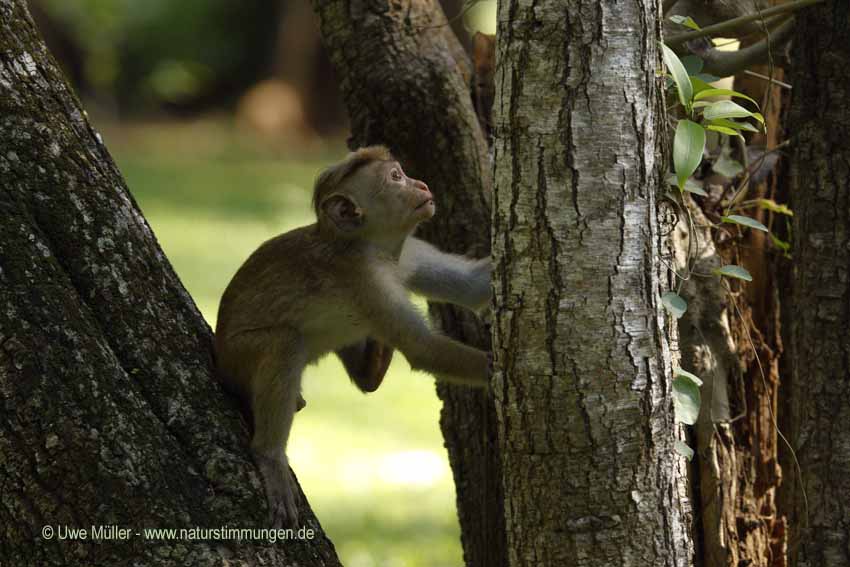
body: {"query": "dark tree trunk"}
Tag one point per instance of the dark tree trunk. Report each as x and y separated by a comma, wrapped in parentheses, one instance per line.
(110, 411)
(817, 326)
(406, 82)
(737, 435)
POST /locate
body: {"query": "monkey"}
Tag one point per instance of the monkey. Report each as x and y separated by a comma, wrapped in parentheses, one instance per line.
(342, 285)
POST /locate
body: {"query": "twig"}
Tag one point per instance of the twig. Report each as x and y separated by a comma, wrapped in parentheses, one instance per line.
(776, 82)
(726, 63)
(679, 39)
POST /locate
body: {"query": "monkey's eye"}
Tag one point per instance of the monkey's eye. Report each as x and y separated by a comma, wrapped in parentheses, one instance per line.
(395, 175)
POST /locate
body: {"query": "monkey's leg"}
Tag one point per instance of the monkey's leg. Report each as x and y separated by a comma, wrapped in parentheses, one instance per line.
(366, 362)
(276, 391)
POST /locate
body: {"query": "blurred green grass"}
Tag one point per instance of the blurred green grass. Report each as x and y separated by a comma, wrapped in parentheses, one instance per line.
(373, 467)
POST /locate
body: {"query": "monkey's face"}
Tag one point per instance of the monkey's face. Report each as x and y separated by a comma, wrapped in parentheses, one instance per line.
(380, 203)
(393, 202)
(414, 199)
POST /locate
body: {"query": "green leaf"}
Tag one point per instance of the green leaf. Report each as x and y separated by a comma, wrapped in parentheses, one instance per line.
(745, 221)
(775, 207)
(782, 245)
(722, 92)
(708, 78)
(682, 373)
(727, 109)
(683, 449)
(688, 146)
(679, 74)
(733, 271)
(686, 400)
(699, 85)
(693, 64)
(726, 123)
(674, 303)
(725, 165)
(686, 21)
(691, 185)
(723, 130)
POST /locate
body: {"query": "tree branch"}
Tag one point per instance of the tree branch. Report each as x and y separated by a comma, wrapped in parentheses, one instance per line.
(726, 63)
(717, 29)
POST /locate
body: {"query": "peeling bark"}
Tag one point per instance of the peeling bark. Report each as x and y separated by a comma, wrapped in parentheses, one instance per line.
(817, 327)
(709, 351)
(750, 464)
(111, 414)
(583, 367)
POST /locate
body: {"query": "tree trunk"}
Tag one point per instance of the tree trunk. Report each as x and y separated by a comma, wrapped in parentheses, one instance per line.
(709, 351)
(817, 329)
(737, 432)
(406, 82)
(583, 379)
(111, 414)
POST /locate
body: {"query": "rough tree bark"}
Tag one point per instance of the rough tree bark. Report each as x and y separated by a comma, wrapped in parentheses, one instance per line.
(110, 411)
(736, 433)
(817, 326)
(708, 350)
(583, 379)
(406, 82)
(745, 449)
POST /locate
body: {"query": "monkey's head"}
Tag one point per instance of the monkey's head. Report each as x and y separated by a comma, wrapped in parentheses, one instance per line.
(368, 195)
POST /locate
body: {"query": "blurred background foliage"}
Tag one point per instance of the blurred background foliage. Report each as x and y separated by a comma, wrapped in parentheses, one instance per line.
(220, 113)
(140, 55)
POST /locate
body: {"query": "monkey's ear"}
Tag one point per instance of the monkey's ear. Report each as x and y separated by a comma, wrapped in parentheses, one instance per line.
(343, 212)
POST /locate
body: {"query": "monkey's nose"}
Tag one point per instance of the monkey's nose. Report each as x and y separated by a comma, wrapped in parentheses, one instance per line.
(422, 186)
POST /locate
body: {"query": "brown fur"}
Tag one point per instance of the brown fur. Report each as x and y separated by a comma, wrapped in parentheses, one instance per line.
(334, 176)
(341, 285)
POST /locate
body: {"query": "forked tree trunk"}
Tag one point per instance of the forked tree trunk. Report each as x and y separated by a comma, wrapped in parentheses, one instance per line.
(110, 412)
(817, 325)
(406, 82)
(583, 380)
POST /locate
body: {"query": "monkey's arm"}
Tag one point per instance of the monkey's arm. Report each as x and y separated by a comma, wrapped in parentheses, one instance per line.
(395, 321)
(366, 362)
(445, 278)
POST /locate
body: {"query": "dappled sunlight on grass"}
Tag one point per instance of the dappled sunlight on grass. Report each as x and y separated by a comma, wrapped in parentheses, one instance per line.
(372, 466)
(413, 468)
(374, 469)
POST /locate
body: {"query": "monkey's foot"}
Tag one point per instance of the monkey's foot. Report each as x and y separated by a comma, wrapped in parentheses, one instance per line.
(281, 492)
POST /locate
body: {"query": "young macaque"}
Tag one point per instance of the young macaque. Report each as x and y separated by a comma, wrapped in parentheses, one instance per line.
(342, 285)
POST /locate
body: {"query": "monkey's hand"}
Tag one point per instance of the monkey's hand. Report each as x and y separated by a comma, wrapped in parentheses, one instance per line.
(480, 276)
(281, 490)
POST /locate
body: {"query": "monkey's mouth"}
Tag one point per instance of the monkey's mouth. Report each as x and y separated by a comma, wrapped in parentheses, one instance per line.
(423, 203)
